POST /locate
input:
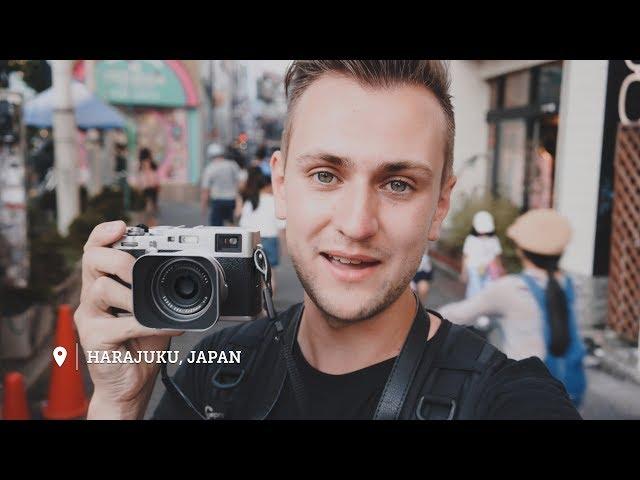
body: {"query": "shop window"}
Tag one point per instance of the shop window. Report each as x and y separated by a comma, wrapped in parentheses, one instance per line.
(549, 79)
(523, 126)
(511, 160)
(516, 89)
(494, 90)
(541, 165)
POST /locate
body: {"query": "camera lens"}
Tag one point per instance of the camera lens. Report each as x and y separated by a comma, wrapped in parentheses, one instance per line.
(182, 288)
(186, 287)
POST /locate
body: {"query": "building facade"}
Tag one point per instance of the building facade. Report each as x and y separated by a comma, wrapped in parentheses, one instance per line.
(161, 100)
(543, 133)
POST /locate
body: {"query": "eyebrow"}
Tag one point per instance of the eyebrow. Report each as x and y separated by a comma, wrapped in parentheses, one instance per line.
(406, 165)
(334, 160)
(386, 167)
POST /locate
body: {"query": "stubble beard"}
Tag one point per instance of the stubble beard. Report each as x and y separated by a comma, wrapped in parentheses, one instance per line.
(388, 294)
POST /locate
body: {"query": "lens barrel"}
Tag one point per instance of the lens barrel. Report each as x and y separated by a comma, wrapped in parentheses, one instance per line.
(182, 289)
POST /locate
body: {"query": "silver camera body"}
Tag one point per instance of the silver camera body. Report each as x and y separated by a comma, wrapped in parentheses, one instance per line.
(188, 278)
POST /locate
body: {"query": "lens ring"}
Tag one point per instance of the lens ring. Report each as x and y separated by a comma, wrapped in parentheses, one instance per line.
(167, 294)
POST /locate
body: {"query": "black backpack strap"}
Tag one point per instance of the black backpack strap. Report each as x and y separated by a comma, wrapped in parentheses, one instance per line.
(405, 368)
(249, 389)
(464, 357)
(228, 377)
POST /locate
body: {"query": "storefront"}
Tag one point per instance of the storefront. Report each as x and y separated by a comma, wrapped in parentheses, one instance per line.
(549, 137)
(523, 131)
(617, 241)
(160, 99)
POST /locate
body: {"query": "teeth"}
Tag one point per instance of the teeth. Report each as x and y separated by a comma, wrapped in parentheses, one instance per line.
(346, 260)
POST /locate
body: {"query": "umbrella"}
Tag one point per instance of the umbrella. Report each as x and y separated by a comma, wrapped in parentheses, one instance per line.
(90, 111)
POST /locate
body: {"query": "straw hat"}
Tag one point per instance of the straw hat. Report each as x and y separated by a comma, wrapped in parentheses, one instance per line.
(543, 231)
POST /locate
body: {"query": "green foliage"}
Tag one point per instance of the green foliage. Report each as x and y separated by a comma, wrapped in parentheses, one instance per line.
(104, 207)
(48, 253)
(35, 73)
(504, 213)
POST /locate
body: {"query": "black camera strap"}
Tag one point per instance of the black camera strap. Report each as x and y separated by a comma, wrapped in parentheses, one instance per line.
(405, 367)
(171, 386)
(262, 264)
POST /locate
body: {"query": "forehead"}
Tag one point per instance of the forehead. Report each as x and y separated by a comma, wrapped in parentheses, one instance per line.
(338, 115)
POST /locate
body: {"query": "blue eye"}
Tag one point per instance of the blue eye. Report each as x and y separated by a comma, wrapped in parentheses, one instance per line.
(398, 186)
(324, 177)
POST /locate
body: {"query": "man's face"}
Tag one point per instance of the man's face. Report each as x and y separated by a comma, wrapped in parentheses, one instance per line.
(361, 192)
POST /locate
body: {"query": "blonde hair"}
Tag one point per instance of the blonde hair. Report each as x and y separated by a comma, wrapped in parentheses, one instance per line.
(431, 74)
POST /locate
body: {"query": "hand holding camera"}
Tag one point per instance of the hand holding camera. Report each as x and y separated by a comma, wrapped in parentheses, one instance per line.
(121, 390)
(181, 279)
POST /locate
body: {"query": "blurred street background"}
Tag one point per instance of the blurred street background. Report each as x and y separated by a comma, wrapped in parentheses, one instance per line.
(529, 134)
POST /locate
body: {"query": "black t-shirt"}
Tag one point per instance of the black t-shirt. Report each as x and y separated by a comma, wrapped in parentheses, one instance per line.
(351, 396)
(518, 390)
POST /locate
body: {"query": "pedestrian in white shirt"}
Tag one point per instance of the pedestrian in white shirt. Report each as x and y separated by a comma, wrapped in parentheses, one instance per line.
(258, 212)
(219, 186)
(481, 254)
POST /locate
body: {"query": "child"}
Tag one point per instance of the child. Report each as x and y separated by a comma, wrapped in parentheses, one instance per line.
(481, 254)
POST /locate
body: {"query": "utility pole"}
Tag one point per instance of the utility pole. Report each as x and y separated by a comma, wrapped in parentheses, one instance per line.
(64, 142)
(90, 75)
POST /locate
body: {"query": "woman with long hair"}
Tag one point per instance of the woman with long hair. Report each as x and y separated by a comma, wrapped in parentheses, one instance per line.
(536, 308)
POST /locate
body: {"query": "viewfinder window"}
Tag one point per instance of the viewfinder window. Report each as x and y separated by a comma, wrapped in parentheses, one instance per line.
(227, 242)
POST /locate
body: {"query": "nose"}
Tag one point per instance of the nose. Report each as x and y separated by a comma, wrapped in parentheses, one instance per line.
(356, 216)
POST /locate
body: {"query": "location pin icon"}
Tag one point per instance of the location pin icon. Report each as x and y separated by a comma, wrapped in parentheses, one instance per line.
(59, 354)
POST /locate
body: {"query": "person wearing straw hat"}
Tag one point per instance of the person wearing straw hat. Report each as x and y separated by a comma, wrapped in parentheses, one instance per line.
(535, 309)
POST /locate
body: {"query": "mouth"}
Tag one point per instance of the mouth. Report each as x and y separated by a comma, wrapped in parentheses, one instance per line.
(350, 267)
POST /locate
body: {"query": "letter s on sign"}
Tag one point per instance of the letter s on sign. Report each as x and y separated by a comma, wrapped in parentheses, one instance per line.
(622, 97)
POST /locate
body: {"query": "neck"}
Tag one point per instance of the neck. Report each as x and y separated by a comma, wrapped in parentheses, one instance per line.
(344, 348)
(537, 271)
(529, 265)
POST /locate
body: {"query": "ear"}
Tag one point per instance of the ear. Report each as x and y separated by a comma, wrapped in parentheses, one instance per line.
(442, 208)
(277, 183)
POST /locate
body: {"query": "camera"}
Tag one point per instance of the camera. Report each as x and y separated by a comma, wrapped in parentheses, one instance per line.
(189, 278)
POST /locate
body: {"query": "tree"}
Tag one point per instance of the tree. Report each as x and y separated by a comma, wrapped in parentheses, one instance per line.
(36, 73)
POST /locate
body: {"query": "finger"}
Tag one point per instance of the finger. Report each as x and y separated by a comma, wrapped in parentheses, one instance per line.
(98, 261)
(105, 234)
(105, 292)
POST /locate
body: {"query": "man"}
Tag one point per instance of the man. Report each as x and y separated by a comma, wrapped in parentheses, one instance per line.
(363, 181)
(219, 186)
